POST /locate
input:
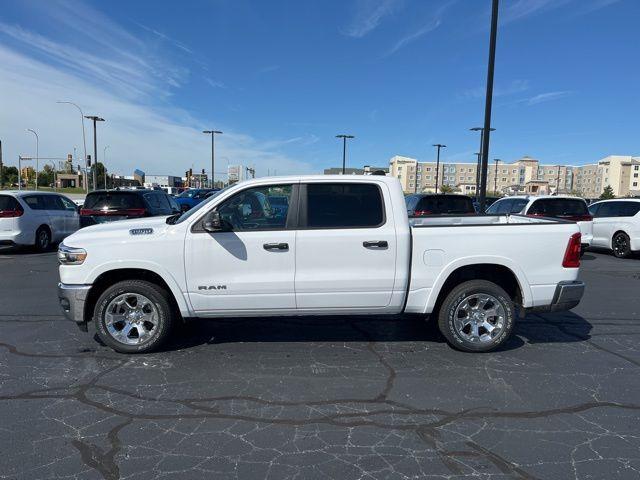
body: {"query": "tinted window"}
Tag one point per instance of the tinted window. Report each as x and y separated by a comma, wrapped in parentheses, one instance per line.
(559, 207)
(411, 201)
(607, 209)
(154, 201)
(35, 202)
(500, 207)
(68, 204)
(445, 205)
(173, 204)
(518, 205)
(112, 201)
(344, 205)
(251, 209)
(8, 203)
(52, 202)
(629, 209)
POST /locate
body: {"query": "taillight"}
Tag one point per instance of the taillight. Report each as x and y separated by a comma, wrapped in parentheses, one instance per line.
(16, 212)
(572, 253)
(422, 213)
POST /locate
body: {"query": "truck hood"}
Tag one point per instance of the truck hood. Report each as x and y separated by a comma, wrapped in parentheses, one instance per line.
(132, 230)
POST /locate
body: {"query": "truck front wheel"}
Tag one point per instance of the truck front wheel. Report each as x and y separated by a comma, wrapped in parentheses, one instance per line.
(133, 316)
(476, 316)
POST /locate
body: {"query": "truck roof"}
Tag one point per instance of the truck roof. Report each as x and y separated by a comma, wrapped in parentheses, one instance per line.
(327, 178)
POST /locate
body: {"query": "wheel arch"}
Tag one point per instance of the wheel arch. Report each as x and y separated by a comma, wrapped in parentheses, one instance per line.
(507, 277)
(109, 277)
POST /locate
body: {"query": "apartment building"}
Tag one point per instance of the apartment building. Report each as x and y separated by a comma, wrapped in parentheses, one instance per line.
(523, 176)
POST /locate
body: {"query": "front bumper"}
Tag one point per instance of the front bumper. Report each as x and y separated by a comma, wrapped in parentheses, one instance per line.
(567, 295)
(72, 300)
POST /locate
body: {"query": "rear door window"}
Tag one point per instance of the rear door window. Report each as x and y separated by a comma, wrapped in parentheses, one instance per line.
(35, 202)
(52, 202)
(344, 205)
(607, 209)
(113, 201)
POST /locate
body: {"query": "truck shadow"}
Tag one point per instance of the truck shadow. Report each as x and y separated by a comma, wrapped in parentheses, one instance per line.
(564, 327)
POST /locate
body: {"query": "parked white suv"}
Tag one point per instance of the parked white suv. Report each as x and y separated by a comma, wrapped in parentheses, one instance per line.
(553, 206)
(31, 218)
(616, 225)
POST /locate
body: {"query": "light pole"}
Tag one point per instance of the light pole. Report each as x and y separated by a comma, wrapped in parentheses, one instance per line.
(344, 150)
(438, 146)
(495, 175)
(213, 133)
(558, 181)
(104, 168)
(488, 101)
(95, 119)
(84, 144)
(479, 165)
(37, 153)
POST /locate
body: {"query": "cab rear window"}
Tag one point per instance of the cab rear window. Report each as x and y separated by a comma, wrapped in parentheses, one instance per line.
(112, 201)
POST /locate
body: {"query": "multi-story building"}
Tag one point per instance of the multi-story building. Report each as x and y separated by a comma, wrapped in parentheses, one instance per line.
(162, 181)
(525, 175)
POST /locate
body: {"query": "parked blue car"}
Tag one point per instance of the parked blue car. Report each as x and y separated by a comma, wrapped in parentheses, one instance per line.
(192, 197)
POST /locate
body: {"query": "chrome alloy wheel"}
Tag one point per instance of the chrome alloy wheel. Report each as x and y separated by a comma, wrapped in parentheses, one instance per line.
(131, 319)
(479, 318)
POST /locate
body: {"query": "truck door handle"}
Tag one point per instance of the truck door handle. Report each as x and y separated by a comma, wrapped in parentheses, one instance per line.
(276, 246)
(375, 244)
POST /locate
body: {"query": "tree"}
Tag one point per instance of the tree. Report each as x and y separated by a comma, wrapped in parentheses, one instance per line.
(447, 189)
(9, 175)
(607, 193)
(101, 171)
(46, 176)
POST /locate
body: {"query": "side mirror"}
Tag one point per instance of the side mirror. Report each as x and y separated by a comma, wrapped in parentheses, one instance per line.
(213, 222)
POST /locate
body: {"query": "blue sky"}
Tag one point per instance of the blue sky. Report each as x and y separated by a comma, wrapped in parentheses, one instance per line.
(282, 78)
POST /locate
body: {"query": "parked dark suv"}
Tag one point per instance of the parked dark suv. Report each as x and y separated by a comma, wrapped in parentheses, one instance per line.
(110, 205)
(423, 205)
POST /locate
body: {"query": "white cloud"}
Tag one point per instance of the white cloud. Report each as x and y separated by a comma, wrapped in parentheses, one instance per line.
(157, 140)
(369, 14)
(429, 25)
(520, 9)
(547, 97)
(516, 86)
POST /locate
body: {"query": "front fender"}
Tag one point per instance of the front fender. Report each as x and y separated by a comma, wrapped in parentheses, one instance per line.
(171, 281)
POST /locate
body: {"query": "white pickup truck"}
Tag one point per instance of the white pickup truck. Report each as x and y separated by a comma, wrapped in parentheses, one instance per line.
(316, 245)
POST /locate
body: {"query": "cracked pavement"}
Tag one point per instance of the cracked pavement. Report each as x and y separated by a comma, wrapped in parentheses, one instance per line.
(311, 397)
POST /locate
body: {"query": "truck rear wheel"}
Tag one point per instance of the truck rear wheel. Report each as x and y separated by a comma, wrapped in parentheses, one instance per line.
(476, 316)
(133, 316)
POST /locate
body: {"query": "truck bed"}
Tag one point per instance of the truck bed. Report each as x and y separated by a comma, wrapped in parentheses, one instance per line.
(440, 245)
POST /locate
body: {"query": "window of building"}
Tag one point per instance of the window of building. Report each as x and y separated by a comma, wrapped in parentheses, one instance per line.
(428, 169)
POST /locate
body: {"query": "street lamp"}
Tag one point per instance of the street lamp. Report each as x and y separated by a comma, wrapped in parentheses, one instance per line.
(495, 175)
(438, 146)
(213, 134)
(478, 167)
(95, 119)
(104, 168)
(84, 142)
(344, 150)
(487, 104)
(37, 153)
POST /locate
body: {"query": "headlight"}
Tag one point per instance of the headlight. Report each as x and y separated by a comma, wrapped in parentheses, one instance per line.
(71, 255)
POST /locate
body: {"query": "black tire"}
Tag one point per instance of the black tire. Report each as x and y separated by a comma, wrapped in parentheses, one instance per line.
(621, 245)
(158, 299)
(453, 306)
(43, 239)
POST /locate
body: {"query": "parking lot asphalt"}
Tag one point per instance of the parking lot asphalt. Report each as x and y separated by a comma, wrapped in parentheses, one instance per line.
(310, 397)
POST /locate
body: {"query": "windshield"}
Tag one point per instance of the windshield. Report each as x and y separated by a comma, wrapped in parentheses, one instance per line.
(195, 209)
